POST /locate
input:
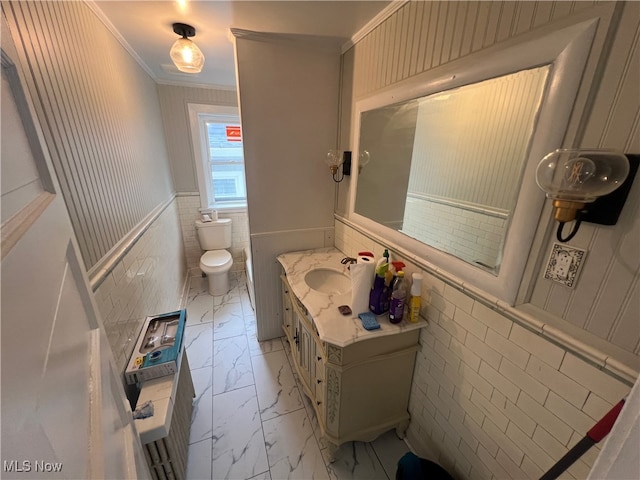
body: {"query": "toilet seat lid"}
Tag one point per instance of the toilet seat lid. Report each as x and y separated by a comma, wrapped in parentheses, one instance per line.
(215, 258)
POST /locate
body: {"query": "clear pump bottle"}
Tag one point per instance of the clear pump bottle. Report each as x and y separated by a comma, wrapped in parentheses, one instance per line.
(398, 295)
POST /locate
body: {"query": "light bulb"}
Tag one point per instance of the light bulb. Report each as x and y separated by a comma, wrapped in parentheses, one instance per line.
(334, 159)
(186, 56)
(577, 171)
(575, 177)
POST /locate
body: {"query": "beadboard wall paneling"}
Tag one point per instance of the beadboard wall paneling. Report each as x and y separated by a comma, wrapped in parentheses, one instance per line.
(605, 298)
(615, 120)
(496, 398)
(478, 165)
(423, 35)
(175, 118)
(602, 301)
(100, 117)
(435, 33)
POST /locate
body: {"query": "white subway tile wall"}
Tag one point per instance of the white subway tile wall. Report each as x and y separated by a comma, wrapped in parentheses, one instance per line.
(150, 279)
(188, 212)
(472, 235)
(492, 398)
(188, 207)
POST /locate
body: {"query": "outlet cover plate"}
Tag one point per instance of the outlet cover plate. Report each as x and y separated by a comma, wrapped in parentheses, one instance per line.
(564, 264)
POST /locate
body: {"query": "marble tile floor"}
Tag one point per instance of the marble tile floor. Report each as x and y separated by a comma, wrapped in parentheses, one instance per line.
(251, 419)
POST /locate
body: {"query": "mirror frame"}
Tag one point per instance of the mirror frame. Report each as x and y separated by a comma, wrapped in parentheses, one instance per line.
(567, 51)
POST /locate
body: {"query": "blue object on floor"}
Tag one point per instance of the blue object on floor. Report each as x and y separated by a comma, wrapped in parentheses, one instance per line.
(412, 467)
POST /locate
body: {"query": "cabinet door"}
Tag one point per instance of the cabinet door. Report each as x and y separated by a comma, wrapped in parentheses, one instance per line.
(306, 342)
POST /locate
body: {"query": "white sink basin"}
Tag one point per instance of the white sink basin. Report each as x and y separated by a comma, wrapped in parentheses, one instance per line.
(328, 281)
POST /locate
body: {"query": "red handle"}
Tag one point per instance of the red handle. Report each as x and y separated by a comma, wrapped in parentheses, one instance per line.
(604, 426)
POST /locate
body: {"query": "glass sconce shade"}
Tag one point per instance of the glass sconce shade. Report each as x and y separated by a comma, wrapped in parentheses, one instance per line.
(186, 56)
(581, 175)
(575, 177)
(334, 159)
(363, 160)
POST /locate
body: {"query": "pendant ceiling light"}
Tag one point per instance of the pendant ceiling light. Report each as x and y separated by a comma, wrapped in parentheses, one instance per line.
(185, 54)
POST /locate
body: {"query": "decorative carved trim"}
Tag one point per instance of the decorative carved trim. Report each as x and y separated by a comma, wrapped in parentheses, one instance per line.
(334, 354)
(333, 395)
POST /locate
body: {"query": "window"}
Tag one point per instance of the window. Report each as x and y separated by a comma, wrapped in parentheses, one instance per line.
(225, 159)
(217, 140)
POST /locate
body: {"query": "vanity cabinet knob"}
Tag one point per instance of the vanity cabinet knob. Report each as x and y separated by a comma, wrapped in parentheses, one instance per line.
(319, 358)
(319, 403)
(286, 291)
(287, 309)
(319, 381)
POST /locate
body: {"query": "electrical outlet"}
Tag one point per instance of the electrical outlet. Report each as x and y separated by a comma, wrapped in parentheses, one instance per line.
(564, 264)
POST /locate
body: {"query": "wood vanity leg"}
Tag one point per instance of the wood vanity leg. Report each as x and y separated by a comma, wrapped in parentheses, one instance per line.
(401, 429)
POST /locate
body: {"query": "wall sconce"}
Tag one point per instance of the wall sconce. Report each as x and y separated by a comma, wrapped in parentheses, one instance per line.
(574, 178)
(335, 159)
(185, 54)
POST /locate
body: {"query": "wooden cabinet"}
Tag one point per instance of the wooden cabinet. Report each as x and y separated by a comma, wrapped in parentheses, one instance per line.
(306, 348)
(360, 390)
(287, 311)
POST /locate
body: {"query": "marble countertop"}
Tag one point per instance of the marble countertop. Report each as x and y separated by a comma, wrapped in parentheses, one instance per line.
(332, 326)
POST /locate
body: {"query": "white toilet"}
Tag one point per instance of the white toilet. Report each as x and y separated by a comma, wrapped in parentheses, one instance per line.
(216, 262)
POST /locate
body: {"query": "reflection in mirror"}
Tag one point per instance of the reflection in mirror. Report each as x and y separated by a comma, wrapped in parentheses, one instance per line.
(446, 169)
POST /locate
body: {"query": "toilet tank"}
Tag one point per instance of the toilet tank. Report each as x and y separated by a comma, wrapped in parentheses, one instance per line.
(214, 235)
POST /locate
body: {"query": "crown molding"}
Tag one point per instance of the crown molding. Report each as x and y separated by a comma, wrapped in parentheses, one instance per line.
(178, 83)
(389, 10)
(107, 23)
(318, 42)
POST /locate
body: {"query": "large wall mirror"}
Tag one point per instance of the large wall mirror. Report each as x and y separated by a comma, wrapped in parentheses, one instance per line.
(444, 162)
(449, 165)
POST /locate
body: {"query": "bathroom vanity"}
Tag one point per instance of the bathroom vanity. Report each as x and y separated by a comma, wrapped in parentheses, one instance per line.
(358, 381)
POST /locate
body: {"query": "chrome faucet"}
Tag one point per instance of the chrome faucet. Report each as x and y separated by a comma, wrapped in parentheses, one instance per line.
(348, 260)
